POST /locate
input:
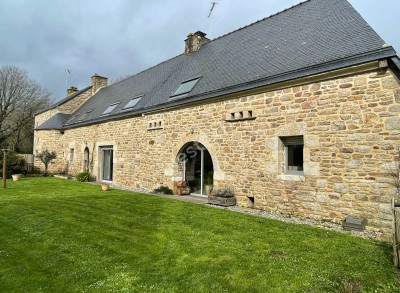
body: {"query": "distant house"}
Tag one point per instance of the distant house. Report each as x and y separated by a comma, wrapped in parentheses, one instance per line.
(298, 112)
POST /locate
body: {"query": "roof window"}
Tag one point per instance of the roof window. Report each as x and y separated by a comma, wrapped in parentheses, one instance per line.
(84, 115)
(132, 103)
(110, 109)
(185, 87)
(72, 118)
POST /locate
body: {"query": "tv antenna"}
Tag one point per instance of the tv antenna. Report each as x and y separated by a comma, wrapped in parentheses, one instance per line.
(212, 8)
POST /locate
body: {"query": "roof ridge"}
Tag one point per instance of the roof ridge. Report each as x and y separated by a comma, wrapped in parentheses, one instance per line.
(260, 20)
(217, 38)
(147, 69)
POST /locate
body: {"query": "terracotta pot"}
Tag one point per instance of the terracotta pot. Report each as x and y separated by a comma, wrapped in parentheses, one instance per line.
(105, 187)
(16, 177)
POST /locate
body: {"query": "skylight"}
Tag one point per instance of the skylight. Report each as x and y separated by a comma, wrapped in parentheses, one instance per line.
(84, 116)
(132, 103)
(110, 108)
(186, 87)
(72, 118)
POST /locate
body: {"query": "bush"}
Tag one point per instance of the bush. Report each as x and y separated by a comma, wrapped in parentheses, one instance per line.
(83, 176)
(15, 164)
(163, 190)
(46, 157)
(223, 192)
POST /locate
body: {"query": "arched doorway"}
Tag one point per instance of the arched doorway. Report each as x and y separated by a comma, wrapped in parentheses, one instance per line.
(86, 159)
(195, 166)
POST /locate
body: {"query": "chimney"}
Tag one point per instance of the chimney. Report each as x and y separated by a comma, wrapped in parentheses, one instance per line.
(195, 41)
(72, 90)
(98, 82)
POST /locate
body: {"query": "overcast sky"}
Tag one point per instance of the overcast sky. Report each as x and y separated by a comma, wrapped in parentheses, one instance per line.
(115, 38)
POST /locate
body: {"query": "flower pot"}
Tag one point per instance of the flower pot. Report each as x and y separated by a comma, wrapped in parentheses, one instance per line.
(105, 187)
(16, 177)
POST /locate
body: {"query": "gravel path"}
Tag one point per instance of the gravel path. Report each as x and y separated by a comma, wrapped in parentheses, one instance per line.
(301, 221)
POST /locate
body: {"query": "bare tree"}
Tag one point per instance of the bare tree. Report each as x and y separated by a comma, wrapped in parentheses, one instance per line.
(20, 99)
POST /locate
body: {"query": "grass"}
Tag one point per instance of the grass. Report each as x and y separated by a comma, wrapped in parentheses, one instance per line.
(63, 236)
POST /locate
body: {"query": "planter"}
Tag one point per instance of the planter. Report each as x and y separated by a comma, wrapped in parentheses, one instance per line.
(16, 177)
(181, 188)
(183, 191)
(222, 201)
(105, 187)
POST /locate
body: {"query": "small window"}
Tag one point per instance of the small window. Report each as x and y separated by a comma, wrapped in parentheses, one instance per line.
(71, 155)
(84, 116)
(185, 87)
(294, 146)
(72, 118)
(132, 103)
(110, 108)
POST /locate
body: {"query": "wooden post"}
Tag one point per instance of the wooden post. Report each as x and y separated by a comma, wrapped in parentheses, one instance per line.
(4, 167)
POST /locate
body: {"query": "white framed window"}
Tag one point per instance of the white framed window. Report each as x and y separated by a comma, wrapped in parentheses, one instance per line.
(294, 154)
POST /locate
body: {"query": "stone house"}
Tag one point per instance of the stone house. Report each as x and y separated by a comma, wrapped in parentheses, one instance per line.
(298, 112)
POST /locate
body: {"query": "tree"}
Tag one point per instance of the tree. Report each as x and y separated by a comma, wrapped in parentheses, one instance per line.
(46, 157)
(20, 99)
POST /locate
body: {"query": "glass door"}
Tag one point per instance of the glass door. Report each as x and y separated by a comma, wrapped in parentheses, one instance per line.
(107, 164)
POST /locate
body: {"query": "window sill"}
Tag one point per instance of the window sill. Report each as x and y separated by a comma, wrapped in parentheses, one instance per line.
(292, 177)
(154, 128)
(240, 119)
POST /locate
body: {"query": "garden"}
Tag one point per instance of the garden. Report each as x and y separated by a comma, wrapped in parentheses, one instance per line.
(65, 236)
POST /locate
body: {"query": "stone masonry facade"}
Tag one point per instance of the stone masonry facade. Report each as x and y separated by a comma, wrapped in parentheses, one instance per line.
(350, 125)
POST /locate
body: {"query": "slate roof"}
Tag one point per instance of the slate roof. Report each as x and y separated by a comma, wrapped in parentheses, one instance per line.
(55, 122)
(312, 37)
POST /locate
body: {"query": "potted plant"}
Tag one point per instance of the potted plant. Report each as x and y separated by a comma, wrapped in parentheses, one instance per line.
(182, 188)
(105, 186)
(222, 197)
(208, 182)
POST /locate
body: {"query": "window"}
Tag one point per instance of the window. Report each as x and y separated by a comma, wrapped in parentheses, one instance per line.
(86, 159)
(110, 109)
(107, 154)
(185, 87)
(132, 103)
(294, 146)
(71, 156)
(72, 118)
(84, 116)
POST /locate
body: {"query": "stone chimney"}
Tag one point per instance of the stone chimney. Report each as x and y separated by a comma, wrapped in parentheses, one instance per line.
(98, 82)
(195, 41)
(72, 90)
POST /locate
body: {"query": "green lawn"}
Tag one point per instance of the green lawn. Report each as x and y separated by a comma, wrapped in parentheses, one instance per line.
(63, 236)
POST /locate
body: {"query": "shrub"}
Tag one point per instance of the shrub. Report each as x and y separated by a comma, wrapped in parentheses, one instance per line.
(163, 190)
(15, 164)
(83, 176)
(46, 157)
(223, 192)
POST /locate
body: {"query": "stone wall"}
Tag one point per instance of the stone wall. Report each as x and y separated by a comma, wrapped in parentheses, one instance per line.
(351, 130)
